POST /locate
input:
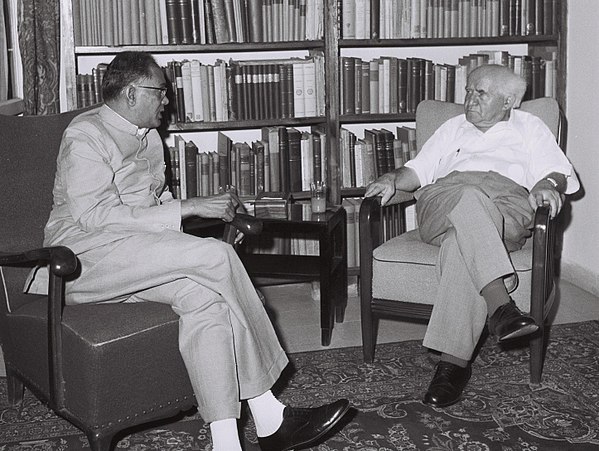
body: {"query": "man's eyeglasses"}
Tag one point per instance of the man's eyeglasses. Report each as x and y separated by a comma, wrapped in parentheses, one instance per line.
(162, 90)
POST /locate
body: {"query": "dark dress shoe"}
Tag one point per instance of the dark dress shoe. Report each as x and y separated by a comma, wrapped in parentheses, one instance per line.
(303, 427)
(509, 322)
(447, 384)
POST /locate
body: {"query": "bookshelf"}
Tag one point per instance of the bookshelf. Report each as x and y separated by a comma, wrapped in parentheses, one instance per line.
(334, 46)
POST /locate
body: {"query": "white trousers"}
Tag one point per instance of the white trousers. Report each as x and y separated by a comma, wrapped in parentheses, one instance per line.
(226, 339)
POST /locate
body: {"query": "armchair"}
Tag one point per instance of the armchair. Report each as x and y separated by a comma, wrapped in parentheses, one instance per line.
(397, 270)
(104, 367)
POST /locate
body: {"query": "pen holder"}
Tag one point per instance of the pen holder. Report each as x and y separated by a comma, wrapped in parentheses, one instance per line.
(318, 197)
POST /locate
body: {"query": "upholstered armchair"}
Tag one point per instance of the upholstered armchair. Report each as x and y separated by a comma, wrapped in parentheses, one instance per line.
(397, 270)
(103, 367)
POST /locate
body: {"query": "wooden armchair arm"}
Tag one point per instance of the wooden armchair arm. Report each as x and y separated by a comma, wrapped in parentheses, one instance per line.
(543, 263)
(378, 224)
(62, 260)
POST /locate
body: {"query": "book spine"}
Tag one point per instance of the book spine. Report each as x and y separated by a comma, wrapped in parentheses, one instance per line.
(191, 169)
(244, 168)
(294, 160)
(173, 24)
(365, 87)
(185, 22)
(348, 75)
(255, 20)
(219, 16)
(196, 91)
(284, 159)
(299, 109)
(230, 20)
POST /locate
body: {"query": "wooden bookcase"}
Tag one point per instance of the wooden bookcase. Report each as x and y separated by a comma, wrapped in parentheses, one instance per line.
(333, 45)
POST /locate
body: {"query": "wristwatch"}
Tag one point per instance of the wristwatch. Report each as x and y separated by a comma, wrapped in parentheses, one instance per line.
(552, 181)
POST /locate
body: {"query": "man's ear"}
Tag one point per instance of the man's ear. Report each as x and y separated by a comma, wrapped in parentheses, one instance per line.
(131, 95)
(510, 102)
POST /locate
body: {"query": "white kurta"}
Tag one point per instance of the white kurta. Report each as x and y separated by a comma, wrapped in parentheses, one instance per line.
(112, 209)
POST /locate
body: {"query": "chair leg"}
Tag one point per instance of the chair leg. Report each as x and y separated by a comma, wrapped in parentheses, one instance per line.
(537, 348)
(369, 329)
(369, 322)
(99, 442)
(16, 389)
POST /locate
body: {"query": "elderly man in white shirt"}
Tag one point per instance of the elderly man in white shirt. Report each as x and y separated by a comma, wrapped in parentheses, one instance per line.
(479, 180)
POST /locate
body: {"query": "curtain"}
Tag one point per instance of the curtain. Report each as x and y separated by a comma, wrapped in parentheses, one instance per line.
(4, 80)
(39, 40)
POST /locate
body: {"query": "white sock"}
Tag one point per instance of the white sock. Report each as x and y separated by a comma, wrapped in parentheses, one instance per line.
(267, 412)
(225, 436)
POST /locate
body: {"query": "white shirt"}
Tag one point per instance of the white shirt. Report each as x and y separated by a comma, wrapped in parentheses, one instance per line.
(521, 148)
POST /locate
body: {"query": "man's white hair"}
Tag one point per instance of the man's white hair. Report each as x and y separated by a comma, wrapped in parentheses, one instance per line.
(505, 81)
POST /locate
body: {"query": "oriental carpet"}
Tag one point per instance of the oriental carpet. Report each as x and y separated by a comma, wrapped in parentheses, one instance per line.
(500, 410)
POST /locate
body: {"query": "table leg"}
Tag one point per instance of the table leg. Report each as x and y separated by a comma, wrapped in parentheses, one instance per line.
(327, 298)
(340, 285)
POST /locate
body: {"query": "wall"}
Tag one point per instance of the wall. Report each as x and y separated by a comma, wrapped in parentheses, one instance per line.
(580, 256)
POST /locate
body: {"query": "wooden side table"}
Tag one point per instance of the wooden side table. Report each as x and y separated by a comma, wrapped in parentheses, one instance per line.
(329, 267)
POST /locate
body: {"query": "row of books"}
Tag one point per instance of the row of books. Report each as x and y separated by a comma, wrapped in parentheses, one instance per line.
(268, 89)
(284, 160)
(238, 90)
(379, 151)
(163, 22)
(89, 87)
(396, 85)
(405, 19)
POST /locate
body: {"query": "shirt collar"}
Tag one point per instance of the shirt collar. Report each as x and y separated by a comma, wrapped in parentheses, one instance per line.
(115, 119)
(466, 125)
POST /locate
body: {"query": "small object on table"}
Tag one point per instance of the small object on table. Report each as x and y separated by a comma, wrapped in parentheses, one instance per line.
(318, 196)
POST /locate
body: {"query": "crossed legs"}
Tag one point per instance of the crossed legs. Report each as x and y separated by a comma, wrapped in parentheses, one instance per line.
(477, 219)
(226, 339)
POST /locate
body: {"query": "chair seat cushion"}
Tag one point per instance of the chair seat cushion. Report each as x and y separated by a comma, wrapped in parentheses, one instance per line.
(127, 351)
(404, 270)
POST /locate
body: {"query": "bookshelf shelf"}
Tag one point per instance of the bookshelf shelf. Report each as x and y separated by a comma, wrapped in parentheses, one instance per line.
(202, 48)
(442, 42)
(374, 118)
(242, 125)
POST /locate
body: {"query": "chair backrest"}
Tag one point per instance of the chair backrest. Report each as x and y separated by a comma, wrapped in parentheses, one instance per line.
(28, 150)
(430, 114)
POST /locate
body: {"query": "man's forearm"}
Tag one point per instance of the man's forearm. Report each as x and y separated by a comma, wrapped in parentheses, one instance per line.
(558, 181)
(406, 179)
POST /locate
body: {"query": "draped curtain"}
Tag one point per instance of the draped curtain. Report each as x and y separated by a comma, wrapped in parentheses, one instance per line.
(39, 40)
(4, 80)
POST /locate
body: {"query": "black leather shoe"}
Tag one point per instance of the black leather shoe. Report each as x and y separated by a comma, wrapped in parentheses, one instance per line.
(303, 427)
(509, 322)
(447, 384)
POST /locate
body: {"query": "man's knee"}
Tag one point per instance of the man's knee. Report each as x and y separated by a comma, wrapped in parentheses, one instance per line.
(472, 194)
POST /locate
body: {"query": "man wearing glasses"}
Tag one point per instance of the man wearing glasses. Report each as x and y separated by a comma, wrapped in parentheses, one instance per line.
(113, 209)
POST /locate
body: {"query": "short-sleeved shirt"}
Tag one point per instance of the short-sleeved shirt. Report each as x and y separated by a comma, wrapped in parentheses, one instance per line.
(521, 148)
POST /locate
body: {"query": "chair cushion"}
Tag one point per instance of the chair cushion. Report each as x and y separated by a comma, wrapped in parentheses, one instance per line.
(127, 351)
(404, 270)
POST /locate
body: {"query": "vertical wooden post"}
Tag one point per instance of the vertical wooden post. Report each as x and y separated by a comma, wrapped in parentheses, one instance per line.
(331, 43)
(67, 51)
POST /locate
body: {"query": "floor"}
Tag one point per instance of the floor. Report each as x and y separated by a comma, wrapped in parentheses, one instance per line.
(297, 319)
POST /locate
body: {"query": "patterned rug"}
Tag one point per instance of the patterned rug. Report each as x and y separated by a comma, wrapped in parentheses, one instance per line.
(501, 410)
